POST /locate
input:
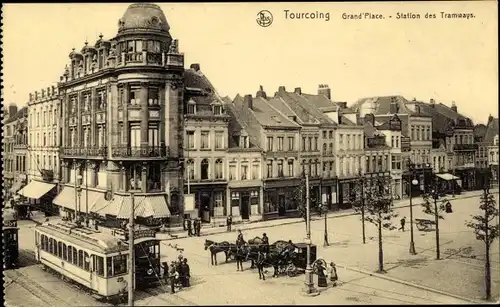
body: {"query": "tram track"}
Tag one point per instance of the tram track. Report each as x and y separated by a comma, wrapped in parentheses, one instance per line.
(35, 289)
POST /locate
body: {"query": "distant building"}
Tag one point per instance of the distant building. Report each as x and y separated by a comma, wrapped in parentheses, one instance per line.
(15, 140)
(491, 138)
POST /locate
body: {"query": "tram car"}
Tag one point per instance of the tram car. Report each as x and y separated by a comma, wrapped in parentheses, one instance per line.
(96, 260)
(10, 239)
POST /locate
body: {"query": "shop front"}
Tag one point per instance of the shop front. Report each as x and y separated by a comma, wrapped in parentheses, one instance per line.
(347, 192)
(245, 204)
(467, 177)
(209, 201)
(40, 196)
(282, 198)
(329, 192)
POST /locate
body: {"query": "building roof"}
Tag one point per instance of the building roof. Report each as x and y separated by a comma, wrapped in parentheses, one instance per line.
(206, 93)
(19, 114)
(143, 17)
(321, 101)
(266, 115)
(306, 106)
(491, 130)
(237, 123)
(443, 116)
(370, 131)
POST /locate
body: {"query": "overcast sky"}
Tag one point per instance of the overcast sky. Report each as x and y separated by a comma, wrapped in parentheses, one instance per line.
(448, 60)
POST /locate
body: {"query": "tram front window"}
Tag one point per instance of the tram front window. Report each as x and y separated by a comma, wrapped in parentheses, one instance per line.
(148, 249)
(117, 265)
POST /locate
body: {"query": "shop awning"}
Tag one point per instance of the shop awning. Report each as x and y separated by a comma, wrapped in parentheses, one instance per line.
(68, 198)
(36, 189)
(16, 186)
(108, 207)
(447, 176)
(145, 206)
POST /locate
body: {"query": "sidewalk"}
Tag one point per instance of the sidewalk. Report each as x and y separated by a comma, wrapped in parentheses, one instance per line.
(210, 230)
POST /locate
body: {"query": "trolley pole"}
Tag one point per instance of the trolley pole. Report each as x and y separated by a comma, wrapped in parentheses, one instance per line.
(309, 289)
(131, 258)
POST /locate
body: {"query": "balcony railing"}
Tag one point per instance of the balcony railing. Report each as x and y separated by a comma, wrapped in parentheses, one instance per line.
(141, 151)
(85, 151)
(463, 147)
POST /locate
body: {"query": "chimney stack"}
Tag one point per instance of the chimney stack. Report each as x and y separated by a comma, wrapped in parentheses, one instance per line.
(417, 108)
(323, 89)
(393, 107)
(195, 67)
(12, 110)
(433, 103)
(248, 101)
(370, 118)
(454, 106)
(281, 89)
(342, 104)
(298, 91)
(490, 118)
(261, 93)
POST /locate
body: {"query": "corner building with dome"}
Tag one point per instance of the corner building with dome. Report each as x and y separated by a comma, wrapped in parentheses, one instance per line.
(122, 119)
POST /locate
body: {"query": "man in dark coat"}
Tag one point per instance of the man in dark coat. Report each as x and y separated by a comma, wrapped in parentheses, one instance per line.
(265, 244)
(229, 222)
(198, 227)
(239, 240)
(173, 275)
(189, 227)
(403, 221)
(185, 274)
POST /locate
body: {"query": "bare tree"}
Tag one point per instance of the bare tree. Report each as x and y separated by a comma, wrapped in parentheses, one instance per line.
(435, 205)
(378, 210)
(481, 224)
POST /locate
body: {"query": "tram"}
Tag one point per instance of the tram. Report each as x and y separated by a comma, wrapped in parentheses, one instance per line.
(10, 239)
(96, 260)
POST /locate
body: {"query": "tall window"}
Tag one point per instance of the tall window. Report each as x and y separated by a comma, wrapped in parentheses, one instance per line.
(204, 139)
(291, 142)
(190, 139)
(244, 142)
(135, 98)
(244, 172)
(397, 141)
(86, 102)
(135, 136)
(101, 136)
(232, 171)
(219, 140)
(290, 168)
(310, 145)
(280, 143)
(341, 141)
(255, 171)
(219, 203)
(324, 148)
(190, 168)
(316, 143)
(154, 177)
(135, 177)
(153, 136)
(218, 169)
(303, 143)
(270, 146)
(204, 169)
(280, 168)
(153, 97)
(270, 169)
(45, 139)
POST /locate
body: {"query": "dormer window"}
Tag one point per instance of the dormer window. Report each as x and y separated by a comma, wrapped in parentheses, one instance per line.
(244, 142)
(217, 109)
(191, 107)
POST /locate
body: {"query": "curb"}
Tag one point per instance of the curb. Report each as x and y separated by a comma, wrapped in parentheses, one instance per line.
(410, 284)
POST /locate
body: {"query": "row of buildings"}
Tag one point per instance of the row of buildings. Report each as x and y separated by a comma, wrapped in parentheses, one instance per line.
(127, 117)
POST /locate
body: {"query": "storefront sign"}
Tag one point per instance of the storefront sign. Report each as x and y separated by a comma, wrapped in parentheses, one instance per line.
(144, 233)
(10, 223)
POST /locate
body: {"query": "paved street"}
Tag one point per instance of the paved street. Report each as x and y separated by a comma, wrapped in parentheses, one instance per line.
(459, 273)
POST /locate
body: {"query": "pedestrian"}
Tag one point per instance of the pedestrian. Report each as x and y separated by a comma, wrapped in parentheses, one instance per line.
(189, 227)
(173, 277)
(322, 276)
(164, 266)
(265, 243)
(185, 273)
(333, 274)
(198, 227)
(229, 221)
(403, 221)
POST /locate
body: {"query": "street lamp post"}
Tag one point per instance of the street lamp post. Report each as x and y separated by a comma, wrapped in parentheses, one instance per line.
(79, 197)
(309, 288)
(325, 208)
(412, 182)
(435, 196)
(362, 187)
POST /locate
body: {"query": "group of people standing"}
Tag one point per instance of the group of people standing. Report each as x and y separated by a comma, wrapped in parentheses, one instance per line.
(193, 226)
(178, 273)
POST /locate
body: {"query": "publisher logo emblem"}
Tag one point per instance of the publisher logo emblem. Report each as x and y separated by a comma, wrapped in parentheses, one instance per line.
(264, 18)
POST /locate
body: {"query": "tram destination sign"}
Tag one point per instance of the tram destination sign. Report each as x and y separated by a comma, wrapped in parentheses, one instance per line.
(144, 233)
(9, 223)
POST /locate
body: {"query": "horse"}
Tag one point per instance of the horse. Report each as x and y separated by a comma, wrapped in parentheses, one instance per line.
(273, 258)
(222, 247)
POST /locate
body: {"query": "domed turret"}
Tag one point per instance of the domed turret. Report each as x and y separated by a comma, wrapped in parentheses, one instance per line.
(143, 17)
